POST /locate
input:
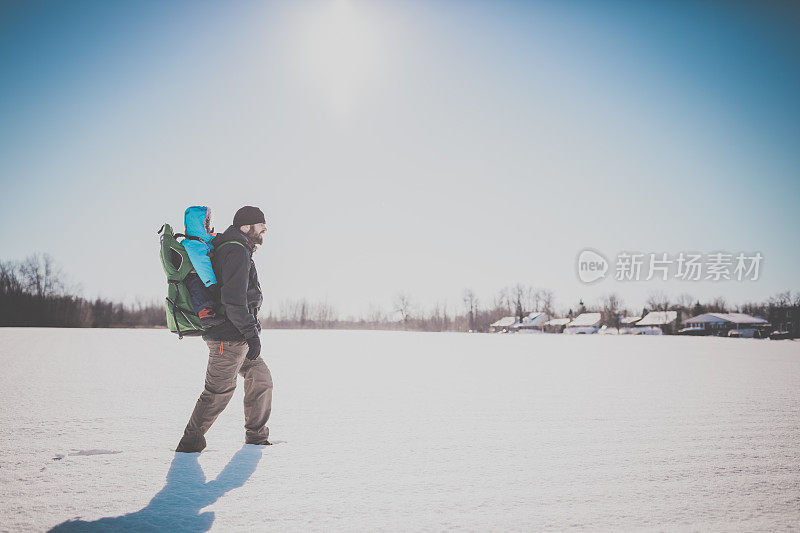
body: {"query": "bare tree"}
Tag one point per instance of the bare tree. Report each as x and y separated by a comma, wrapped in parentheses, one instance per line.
(518, 294)
(10, 280)
(404, 307)
(304, 309)
(612, 306)
(717, 305)
(753, 309)
(375, 315)
(536, 297)
(438, 319)
(657, 301)
(547, 300)
(533, 299)
(502, 301)
(471, 307)
(782, 299)
(294, 313)
(324, 314)
(41, 276)
(685, 301)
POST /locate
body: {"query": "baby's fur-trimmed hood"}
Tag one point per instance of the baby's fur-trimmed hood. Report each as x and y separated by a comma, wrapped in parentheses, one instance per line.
(197, 222)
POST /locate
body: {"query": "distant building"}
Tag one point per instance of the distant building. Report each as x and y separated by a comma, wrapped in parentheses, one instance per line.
(721, 323)
(584, 323)
(504, 324)
(626, 324)
(786, 319)
(666, 321)
(532, 323)
(556, 325)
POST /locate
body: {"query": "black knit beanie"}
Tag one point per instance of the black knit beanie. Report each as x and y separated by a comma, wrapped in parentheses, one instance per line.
(248, 215)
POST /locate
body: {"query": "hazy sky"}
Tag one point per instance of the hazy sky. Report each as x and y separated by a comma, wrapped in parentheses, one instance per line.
(417, 146)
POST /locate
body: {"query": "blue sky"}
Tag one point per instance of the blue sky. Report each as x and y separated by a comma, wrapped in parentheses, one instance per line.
(415, 146)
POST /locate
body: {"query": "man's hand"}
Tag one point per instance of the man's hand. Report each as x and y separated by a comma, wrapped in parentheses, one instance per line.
(254, 344)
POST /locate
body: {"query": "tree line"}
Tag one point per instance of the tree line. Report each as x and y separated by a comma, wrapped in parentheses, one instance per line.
(517, 300)
(771, 309)
(33, 293)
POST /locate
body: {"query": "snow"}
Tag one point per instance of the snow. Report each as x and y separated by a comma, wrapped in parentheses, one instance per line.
(579, 330)
(504, 322)
(736, 318)
(658, 318)
(388, 431)
(95, 452)
(534, 319)
(586, 319)
(647, 330)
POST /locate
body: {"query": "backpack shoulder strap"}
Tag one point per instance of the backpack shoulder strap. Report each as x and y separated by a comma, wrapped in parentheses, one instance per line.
(216, 248)
(230, 242)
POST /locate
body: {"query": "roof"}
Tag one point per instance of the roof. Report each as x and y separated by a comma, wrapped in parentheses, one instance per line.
(558, 322)
(534, 319)
(629, 319)
(735, 318)
(586, 319)
(505, 322)
(658, 318)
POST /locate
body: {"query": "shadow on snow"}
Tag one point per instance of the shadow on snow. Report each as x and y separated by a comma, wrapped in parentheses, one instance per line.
(177, 506)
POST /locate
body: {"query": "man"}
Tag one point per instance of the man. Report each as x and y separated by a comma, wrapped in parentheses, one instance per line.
(234, 346)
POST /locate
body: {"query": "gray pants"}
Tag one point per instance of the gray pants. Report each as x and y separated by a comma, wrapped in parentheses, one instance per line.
(226, 359)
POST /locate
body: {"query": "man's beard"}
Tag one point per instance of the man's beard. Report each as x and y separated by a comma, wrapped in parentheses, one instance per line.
(257, 238)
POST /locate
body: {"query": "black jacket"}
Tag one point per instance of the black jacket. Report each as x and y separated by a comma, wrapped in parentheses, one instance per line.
(240, 291)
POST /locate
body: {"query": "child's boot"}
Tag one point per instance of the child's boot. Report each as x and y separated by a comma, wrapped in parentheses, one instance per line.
(208, 318)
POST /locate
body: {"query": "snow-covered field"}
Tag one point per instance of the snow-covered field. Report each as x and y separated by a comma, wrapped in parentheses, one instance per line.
(405, 431)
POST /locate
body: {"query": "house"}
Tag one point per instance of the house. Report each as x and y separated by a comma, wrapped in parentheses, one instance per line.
(556, 325)
(666, 321)
(720, 324)
(503, 325)
(533, 323)
(584, 323)
(626, 324)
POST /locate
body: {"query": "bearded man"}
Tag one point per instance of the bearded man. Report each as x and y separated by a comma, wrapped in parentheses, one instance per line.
(234, 345)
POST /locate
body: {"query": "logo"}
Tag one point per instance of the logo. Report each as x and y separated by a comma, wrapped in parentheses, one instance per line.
(591, 266)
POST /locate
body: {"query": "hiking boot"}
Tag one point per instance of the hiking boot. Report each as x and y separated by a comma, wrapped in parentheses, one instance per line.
(191, 444)
(262, 443)
(209, 319)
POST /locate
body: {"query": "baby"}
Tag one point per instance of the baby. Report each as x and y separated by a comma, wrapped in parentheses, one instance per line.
(202, 283)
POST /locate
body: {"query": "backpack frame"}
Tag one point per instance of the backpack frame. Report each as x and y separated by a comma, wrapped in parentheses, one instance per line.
(181, 318)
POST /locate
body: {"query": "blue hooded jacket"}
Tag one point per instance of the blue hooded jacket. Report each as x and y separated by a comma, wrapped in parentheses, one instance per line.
(194, 220)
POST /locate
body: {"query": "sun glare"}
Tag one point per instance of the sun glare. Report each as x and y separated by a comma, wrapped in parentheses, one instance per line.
(339, 50)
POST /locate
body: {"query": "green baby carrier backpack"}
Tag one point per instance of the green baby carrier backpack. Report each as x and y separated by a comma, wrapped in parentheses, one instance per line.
(181, 318)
